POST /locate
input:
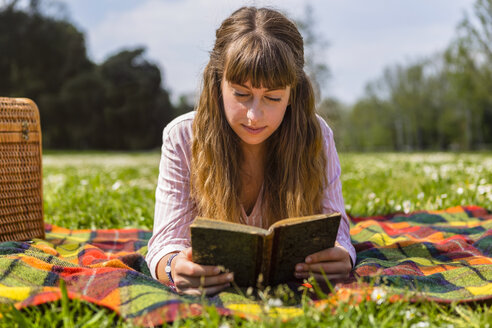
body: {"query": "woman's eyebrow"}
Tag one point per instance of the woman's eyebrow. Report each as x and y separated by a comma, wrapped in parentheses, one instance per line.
(233, 84)
(272, 89)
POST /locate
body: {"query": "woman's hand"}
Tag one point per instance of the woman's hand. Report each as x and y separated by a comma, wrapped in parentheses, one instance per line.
(334, 263)
(195, 279)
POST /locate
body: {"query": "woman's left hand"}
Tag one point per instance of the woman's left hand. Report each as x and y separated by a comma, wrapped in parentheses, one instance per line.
(331, 263)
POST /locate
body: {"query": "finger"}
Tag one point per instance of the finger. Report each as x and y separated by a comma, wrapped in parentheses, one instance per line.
(326, 267)
(184, 266)
(217, 280)
(215, 289)
(183, 282)
(330, 254)
(188, 253)
(190, 291)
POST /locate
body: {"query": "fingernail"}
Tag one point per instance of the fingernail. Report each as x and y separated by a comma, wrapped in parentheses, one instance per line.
(216, 270)
(299, 267)
(230, 277)
(308, 259)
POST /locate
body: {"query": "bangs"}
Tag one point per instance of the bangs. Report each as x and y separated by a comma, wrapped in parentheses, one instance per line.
(265, 63)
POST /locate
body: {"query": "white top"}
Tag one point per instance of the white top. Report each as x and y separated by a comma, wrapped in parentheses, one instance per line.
(175, 210)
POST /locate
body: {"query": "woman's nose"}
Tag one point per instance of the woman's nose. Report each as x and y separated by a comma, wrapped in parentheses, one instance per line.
(254, 111)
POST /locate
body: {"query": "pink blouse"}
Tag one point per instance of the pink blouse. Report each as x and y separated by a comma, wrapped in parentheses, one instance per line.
(175, 210)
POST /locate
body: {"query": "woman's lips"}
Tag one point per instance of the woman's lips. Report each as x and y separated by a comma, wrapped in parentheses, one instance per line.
(254, 130)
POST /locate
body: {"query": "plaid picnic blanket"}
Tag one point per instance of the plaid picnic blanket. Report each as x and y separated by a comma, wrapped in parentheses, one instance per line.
(444, 255)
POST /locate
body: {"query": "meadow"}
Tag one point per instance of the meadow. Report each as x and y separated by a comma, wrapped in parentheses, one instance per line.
(116, 190)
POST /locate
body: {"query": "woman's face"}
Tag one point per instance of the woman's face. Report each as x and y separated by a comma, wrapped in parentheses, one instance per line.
(254, 114)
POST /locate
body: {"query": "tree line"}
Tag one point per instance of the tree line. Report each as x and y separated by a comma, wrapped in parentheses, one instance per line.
(118, 104)
(443, 102)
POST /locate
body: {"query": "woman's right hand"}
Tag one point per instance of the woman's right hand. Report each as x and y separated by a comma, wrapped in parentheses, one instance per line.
(195, 279)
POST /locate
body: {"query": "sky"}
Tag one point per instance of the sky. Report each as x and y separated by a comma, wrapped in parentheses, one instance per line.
(364, 36)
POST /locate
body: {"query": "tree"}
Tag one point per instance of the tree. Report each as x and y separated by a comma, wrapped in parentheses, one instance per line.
(469, 59)
(78, 106)
(314, 49)
(439, 102)
(51, 53)
(137, 107)
(119, 104)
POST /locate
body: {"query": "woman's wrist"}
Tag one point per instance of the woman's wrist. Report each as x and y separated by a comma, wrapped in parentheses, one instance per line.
(161, 274)
(168, 267)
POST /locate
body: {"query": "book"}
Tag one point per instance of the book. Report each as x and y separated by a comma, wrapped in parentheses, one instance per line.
(251, 252)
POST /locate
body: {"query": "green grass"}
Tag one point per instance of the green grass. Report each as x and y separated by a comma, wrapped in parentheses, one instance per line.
(98, 190)
(383, 183)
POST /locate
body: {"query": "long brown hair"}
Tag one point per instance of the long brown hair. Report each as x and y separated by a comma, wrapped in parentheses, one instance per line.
(264, 47)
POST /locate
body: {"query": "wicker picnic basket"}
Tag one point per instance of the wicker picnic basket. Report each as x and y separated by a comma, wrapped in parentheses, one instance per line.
(21, 189)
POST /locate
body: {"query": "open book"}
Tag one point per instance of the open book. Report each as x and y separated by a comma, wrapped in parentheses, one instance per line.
(249, 251)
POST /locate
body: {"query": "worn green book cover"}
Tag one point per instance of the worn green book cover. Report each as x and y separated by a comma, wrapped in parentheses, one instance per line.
(252, 252)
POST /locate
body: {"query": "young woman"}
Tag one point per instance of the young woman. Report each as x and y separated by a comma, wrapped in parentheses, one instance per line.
(253, 152)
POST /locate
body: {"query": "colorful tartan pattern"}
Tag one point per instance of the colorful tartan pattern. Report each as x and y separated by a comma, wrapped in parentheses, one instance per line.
(444, 254)
(105, 267)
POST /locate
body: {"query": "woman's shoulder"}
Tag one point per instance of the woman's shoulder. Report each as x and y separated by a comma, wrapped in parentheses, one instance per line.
(180, 127)
(325, 128)
(184, 121)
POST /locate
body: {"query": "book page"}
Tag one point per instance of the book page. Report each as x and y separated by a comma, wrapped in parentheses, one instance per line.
(237, 249)
(300, 220)
(293, 242)
(229, 226)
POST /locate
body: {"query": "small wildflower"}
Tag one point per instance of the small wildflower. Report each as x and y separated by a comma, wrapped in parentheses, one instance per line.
(398, 207)
(275, 302)
(406, 206)
(378, 295)
(409, 314)
(482, 189)
(459, 191)
(420, 195)
(428, 170)
(307, 285)
(421, 324)
(371, 195)
(224, 325)
(84, 182)
(116, 185)
(444, 196)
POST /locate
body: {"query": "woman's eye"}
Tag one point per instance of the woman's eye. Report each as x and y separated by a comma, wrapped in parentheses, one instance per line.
(273, 99)
(238, 94)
